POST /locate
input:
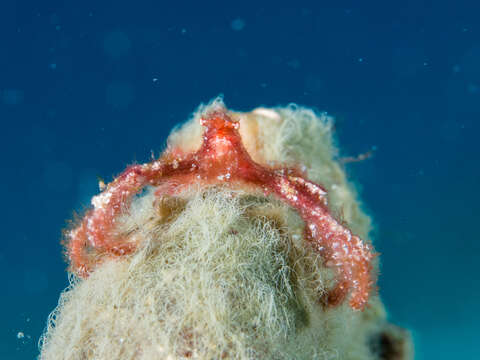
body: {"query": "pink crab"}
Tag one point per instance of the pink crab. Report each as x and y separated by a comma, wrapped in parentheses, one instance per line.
(223, 159)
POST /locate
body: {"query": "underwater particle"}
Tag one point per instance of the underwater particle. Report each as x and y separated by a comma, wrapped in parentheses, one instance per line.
(237, 24)
(20, 335)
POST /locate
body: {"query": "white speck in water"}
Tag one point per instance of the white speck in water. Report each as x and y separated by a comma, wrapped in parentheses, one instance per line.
(237, 24)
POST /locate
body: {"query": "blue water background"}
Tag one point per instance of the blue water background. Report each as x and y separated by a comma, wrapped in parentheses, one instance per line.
(87, 87)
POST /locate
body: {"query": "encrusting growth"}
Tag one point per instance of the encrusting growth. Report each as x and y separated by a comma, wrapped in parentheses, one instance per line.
(223, 159)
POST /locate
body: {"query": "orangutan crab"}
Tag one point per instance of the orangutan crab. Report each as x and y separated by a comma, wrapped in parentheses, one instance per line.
(223, 159)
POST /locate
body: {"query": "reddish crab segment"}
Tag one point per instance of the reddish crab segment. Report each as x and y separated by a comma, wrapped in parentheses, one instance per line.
(222, 158)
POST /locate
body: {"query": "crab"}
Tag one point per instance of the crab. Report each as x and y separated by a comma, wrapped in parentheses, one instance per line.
(223, 159)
